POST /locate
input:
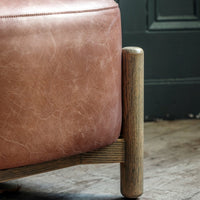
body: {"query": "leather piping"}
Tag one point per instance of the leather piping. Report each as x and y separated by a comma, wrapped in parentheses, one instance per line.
(56, 13)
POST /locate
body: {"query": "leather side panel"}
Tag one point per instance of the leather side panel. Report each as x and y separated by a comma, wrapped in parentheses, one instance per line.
(60, 85)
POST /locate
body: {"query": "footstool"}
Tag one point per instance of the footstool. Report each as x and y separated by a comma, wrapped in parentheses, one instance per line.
(63, 97)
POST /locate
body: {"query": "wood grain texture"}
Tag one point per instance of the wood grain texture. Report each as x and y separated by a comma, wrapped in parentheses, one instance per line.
(110, 154)
(132, 121)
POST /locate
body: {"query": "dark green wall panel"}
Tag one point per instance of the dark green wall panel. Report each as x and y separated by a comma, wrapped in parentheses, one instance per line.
(171, 41)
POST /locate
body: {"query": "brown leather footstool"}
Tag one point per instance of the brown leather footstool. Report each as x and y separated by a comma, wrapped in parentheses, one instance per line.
(60, 89)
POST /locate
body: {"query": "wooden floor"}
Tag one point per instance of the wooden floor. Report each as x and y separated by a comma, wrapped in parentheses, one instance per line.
(172, 171)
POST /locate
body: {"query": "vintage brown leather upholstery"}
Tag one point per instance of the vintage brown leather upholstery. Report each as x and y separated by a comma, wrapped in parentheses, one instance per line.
(60, 78)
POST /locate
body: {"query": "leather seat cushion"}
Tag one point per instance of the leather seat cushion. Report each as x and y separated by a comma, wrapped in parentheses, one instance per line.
(60, 78)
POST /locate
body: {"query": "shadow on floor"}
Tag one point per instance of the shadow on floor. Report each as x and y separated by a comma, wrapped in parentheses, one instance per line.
(10, 191)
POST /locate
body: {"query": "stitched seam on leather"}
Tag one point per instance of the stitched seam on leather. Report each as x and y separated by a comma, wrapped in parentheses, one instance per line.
(56, 13)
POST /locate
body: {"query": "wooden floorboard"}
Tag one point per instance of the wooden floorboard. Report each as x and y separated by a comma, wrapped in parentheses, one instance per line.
(172, 164)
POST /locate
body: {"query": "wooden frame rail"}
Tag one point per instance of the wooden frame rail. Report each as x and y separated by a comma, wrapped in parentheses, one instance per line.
(110, 154)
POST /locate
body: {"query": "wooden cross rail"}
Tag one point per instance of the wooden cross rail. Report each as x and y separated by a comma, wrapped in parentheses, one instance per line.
(110, 154)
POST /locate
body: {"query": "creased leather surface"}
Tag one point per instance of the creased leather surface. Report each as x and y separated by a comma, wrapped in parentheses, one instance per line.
(60, 79)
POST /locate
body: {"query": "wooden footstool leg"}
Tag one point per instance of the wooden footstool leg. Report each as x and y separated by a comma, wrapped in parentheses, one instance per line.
(132, 122)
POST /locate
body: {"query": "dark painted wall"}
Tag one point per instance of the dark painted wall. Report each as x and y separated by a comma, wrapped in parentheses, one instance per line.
(169, 33)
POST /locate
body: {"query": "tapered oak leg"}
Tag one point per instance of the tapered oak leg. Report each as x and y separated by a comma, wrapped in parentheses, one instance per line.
(132, 121)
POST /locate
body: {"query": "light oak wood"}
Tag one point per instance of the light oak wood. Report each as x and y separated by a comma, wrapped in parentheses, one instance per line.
(132, 121)
(110, 154)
